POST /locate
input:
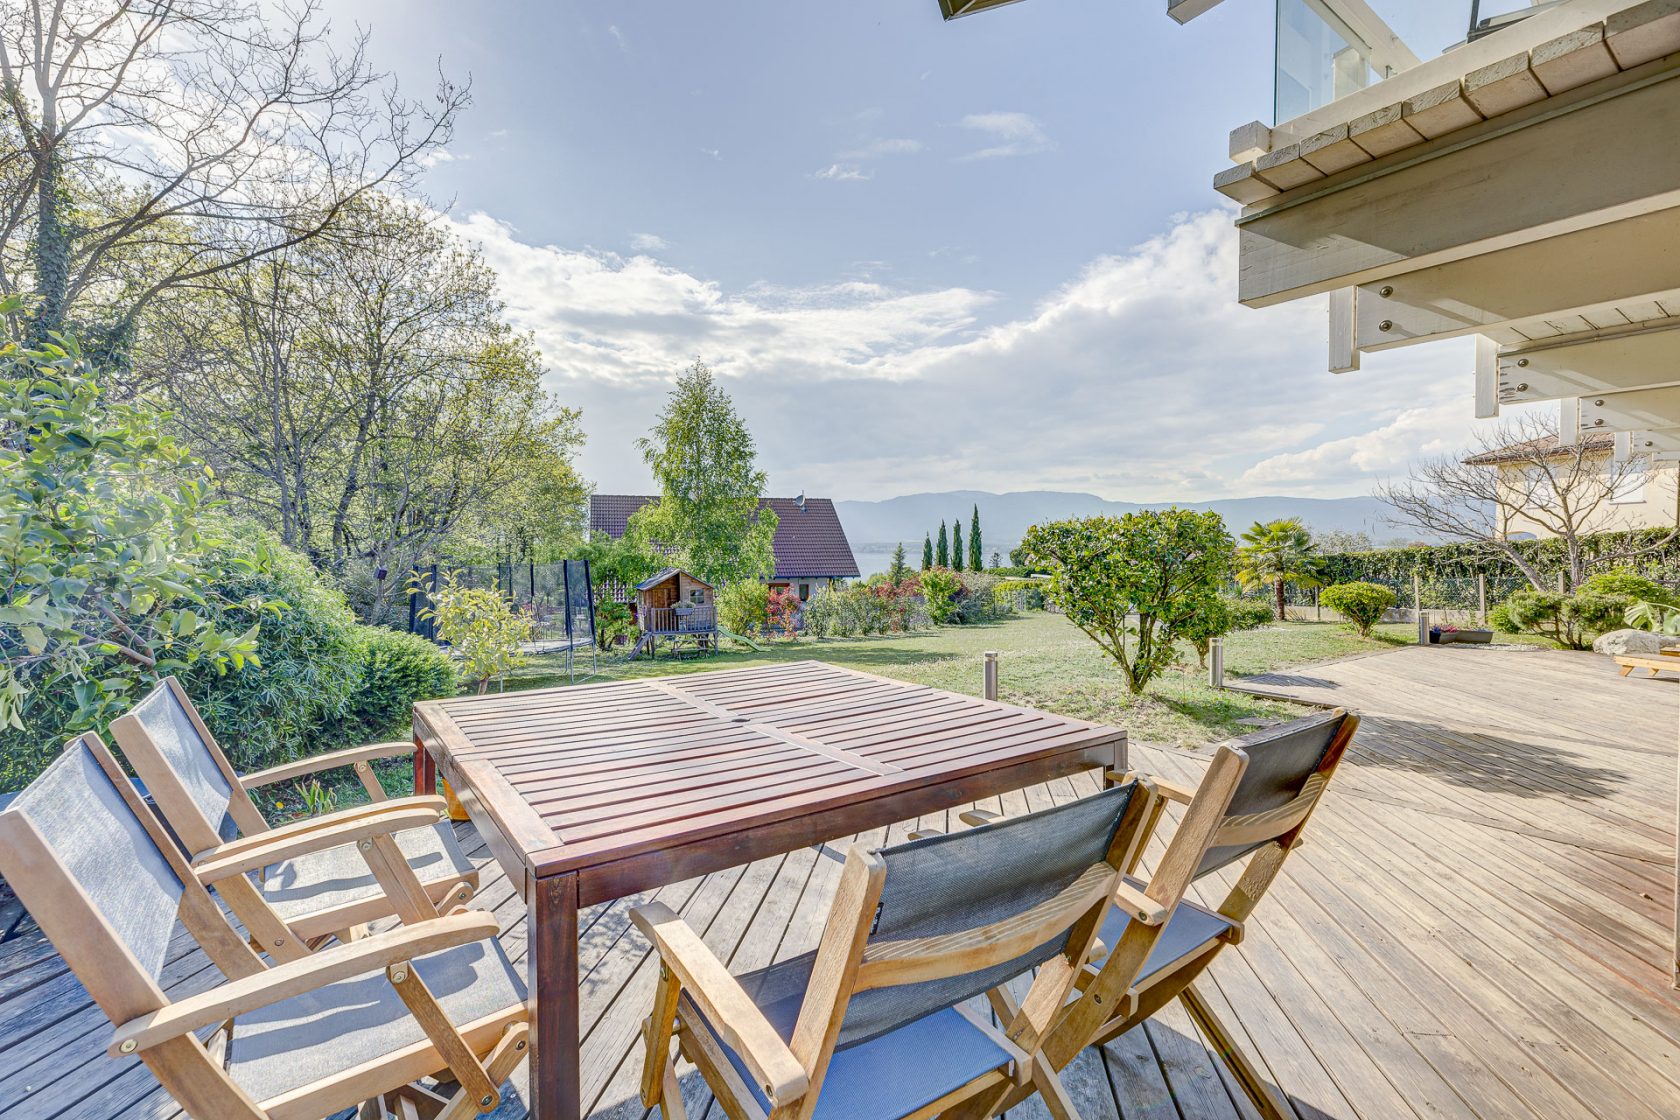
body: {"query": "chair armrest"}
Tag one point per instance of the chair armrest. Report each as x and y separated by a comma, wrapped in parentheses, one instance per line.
(728, 1008)
(330, 761)
(1173, 791)
(432, 803)
(1139, 906)
(977, 817)
(252, 853)
(293, 978)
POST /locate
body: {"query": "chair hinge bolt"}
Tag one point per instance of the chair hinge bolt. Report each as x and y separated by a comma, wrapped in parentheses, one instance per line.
(486, 1101)
(127, 1046)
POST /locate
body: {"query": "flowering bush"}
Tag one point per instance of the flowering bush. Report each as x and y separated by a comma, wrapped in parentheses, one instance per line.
(782, 609)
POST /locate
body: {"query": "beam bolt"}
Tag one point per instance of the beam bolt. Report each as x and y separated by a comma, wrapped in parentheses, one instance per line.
(1386, 291)
(1386, 325)
(1523, 362)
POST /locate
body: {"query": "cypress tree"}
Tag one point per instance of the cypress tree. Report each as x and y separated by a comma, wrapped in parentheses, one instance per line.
(976, 554)
(927, 551)
(942, 551)
(956, 547)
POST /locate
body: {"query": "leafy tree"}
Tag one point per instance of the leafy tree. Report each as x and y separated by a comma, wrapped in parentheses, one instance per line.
(104, 538)
(1164, 568)
(704, 460)
(927, 552)
(1341, 540)
(997, 559)
(1276, 554)
(1361, 603)
(198, 136)
(480, 624)
(1214, 620)
(898, 570)
(956, 547)
(744, 607)
(942, 550)
(976, 551)
(616, 565)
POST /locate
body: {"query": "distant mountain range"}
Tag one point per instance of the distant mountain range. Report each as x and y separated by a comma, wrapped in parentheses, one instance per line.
(875, 527)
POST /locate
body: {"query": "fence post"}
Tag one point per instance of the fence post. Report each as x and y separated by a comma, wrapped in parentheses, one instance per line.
(1563, 589)
(1216, 663)
(1481, 596)
(991, 675)
(1318, 608)
(1417, 593)
(1423, 628)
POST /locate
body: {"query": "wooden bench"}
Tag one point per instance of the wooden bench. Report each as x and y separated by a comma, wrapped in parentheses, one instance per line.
(1630, 662)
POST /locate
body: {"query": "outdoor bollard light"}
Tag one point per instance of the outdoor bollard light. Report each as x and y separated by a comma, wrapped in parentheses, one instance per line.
(991, 674)
(1216, 663)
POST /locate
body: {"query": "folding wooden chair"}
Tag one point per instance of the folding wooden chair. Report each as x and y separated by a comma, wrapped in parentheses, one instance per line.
(352, 1025)
(294, 886)
(1252, 805)
(873, 1024)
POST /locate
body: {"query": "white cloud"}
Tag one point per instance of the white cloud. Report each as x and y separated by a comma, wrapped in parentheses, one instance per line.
(648, 242)
(1140, 378)
(439, 155)
(713, 152)
(618, 37)
(843, 172)
(1014, 134)
(875, 149)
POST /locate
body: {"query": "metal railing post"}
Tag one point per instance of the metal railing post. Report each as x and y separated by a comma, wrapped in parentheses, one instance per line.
(991, 675)
(1481, 595)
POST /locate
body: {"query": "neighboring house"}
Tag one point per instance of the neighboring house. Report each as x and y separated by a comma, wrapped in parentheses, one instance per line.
(1644, 496)
(810, 547)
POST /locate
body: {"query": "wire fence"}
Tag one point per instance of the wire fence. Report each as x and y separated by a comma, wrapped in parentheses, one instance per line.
(1448, 598)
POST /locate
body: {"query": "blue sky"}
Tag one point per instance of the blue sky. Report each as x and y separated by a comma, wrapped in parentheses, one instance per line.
(922, 255)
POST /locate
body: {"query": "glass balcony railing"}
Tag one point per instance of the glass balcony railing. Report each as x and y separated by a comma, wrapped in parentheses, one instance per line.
(1327, 49)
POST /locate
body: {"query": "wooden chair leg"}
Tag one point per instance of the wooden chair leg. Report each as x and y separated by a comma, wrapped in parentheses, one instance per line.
(1054, 1093)
(509, 1051)
(671, 1099)
(1258, 1089)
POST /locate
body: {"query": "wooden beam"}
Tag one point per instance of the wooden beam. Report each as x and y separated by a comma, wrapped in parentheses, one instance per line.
(1186, 10)
(1487, 377)
(1633, 260)
(1665, 441)
(1477, 194)
(1629, 357)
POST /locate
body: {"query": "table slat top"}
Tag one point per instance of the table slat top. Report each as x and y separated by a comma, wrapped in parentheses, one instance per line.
(593, 773)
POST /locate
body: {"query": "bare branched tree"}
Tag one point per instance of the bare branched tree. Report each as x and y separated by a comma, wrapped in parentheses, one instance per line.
(1520, 481)
(198, 135)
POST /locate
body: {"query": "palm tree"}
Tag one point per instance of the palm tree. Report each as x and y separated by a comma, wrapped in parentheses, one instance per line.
(1277, 553)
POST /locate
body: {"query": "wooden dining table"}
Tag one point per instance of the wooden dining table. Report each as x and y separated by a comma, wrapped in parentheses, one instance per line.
(592, 792)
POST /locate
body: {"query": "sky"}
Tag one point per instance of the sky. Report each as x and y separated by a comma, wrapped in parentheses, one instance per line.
(920, 256)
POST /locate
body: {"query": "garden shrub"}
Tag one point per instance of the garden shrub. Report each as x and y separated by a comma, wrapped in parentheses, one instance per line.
(1213, 619)
(1250, 614)
(396, 670)
(1625, 581)
(1021, 594)
(1361, 603)
(978, 600)
(1500, 618)
(1570, 621)
(939, 589)
(783, 610)
(743, 607)
(612, 623)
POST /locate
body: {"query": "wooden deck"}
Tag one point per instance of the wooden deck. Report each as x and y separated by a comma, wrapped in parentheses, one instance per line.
(1477, 927)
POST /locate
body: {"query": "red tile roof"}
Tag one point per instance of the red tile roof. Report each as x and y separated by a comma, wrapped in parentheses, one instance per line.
(810, 543)
(1543, 447)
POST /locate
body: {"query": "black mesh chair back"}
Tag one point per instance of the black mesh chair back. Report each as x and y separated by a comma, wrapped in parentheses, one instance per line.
(1288, 767)
(106, 849)
(973, 879)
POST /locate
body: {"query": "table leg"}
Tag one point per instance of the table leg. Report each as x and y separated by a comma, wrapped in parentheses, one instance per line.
(425, 770)
(552, 964)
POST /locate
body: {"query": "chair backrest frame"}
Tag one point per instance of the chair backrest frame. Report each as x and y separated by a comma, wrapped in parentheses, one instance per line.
(168, 786)
(848, 962)
(1273, 833)
(100, 958)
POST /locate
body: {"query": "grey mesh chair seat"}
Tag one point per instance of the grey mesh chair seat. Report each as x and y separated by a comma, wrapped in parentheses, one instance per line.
(339, 877)
(291, 1044)
(1190, 929)
(881, 1078)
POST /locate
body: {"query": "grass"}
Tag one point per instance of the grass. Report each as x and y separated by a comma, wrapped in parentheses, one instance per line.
(1046, 662)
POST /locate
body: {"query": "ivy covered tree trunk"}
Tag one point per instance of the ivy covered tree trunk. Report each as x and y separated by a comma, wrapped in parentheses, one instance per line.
(51, 248)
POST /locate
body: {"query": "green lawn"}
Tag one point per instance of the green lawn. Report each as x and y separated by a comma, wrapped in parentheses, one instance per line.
(1046, 663)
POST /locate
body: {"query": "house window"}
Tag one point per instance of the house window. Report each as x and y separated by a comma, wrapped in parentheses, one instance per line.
(1630, 487)
(804, 592)
(697, 597)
